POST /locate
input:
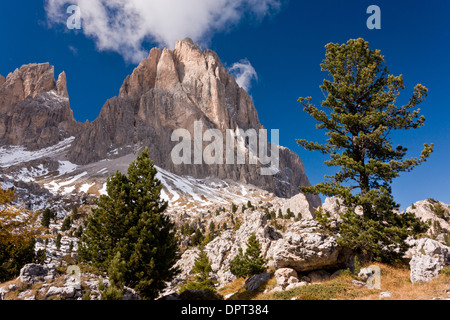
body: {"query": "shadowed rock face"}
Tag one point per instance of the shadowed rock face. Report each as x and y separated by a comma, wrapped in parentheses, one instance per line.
(34, 109)
(172, 89)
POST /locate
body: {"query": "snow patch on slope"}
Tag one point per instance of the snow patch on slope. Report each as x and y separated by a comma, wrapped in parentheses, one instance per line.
(12, 155)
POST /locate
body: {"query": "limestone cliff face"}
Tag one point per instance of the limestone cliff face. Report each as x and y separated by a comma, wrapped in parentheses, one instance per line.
(34, 109)
(172, 89)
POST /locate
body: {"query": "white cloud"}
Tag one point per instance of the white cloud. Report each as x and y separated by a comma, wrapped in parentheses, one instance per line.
(123, 25)
(244, 73)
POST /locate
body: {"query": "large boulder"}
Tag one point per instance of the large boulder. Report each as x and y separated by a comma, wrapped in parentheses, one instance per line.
(424, 268)
(66, 292)
(254, 283)
(304, 248)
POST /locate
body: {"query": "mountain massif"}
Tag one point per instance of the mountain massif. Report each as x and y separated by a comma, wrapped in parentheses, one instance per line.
(169, 90)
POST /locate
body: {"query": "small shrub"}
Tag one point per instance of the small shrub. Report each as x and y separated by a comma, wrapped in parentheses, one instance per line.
(238, 225)
(447, 239)
(440, 211)
(112, 293)
(86, 295)
(445, 271)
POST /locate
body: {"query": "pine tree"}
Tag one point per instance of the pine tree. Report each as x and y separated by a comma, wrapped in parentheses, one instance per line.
(46, 218)
(130, 220)
(197, 238)
(360, 115)
(58, 241)
(67, 224)
(202, 275)
(280, 214)
(250, 263)
(75, 214)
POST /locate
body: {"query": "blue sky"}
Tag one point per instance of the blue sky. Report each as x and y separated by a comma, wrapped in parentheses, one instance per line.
(286, 49)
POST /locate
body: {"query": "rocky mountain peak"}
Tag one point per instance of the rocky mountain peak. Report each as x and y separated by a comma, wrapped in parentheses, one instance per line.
(34, 108)
(28, 81)
(143, 77)
(61, 85)
(200, 77)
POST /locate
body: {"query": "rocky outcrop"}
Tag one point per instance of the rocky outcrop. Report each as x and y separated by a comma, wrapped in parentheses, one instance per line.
(34, 109)
(300, 249)
(170, 90)
(32, 273)
(301, 206)
(429, 258)
(436, 213)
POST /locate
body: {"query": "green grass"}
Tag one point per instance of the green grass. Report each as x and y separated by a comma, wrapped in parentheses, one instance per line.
(339, 288)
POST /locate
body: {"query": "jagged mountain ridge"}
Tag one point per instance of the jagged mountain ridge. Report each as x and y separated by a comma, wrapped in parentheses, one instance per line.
(169, 90)
(35, 109)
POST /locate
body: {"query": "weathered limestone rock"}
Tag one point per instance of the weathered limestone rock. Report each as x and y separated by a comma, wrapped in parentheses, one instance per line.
(61, 86)
(303, 248)
(31, 273)
(286, 276)
(66, 292)
(425, 210)
(299, 204)
(424, 268)
(429, 258)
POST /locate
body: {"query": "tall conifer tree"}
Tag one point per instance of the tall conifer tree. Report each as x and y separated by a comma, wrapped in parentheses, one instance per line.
(130, 220)
(359, 116)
